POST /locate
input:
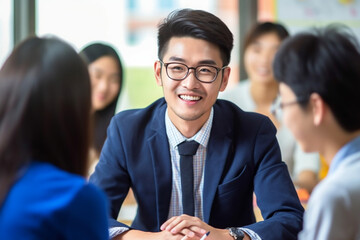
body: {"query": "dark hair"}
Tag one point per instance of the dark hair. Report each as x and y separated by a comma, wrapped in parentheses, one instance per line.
(102, 117)
(260, 29)
(197, 24)
(324, 61)
(44, 109)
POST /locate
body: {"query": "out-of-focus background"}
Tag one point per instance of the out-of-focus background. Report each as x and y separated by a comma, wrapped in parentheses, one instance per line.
(131, 25)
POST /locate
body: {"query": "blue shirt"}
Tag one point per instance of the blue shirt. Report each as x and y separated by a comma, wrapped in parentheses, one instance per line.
(347, 150)
(49, 203)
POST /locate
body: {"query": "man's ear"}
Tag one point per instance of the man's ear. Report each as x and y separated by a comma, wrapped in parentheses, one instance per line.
(157, 72)
(225, 78)
(319, 108)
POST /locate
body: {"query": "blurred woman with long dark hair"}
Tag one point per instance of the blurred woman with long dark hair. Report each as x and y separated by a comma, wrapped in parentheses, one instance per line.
(106, 75)
(44, 140)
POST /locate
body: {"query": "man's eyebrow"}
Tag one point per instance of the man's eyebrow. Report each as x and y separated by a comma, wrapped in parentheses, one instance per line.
(207, 62)
(177, 59)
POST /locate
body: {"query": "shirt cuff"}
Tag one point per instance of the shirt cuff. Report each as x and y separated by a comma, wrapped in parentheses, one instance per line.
(115, 231)
(251, 233)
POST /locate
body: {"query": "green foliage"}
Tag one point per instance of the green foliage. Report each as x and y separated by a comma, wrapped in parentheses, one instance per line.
(141, 86)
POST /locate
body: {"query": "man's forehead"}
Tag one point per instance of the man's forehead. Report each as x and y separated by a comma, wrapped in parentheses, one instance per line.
(188, 49)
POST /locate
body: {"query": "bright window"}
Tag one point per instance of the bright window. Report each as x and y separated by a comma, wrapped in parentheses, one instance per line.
(6, 26)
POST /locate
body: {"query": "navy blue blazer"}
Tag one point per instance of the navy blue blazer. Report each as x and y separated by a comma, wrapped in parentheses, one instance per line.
(243, 157)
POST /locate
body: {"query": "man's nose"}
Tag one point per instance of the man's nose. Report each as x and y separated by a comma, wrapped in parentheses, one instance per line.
(191, 81)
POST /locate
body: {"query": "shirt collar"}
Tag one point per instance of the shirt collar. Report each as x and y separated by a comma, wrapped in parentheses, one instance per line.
(175, 137)
(347, 150)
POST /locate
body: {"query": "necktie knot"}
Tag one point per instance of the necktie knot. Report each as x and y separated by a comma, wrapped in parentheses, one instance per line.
(188, 148)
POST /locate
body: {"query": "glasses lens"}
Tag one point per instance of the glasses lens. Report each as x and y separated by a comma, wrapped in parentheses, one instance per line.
(206, 73)
(176, 71)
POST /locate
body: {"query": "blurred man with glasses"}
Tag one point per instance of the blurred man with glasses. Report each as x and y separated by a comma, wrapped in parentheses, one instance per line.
(236, 153)
(319, 75)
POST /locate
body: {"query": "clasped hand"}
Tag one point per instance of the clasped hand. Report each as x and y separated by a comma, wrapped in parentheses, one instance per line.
(192, 228)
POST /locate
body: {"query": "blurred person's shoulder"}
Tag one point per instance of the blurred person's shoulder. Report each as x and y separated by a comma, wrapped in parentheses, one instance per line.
(239, 95)
(50, 183)
(46, 194)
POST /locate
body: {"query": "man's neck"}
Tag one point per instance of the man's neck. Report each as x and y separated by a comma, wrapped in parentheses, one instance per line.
(188, 128)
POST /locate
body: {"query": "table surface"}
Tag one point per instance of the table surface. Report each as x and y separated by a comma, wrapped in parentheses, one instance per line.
(128, 209)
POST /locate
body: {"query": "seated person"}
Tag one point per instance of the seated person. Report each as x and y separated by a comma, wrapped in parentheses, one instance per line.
(106, 75)
(319, 79)
(44, 140)
(258, 93)
(192, 161)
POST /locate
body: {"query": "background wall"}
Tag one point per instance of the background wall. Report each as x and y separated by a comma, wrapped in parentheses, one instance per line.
(131, 27)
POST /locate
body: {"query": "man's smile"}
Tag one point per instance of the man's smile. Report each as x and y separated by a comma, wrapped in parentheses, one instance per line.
(190, 97)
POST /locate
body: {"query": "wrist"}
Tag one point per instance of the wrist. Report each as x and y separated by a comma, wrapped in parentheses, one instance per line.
(216, 234)
(236, 233)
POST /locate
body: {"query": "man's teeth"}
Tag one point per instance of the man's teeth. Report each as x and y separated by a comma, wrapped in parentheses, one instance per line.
(189, 98)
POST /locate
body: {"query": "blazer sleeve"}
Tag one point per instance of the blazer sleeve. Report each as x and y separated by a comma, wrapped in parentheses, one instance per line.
(110, 173)
(274, 190)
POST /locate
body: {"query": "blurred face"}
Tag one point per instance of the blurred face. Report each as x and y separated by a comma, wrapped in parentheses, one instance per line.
(298, 120)
(105, 81)
(259, 56)
(190, 100)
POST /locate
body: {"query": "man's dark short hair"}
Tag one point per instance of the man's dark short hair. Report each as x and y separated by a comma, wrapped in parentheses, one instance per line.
(197, 24)
(324, 61)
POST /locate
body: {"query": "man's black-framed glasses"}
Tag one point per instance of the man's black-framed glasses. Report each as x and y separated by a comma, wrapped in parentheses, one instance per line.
(204, 73)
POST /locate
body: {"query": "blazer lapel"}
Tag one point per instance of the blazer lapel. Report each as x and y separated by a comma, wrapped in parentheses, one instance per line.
(161, 163)
(218, 149)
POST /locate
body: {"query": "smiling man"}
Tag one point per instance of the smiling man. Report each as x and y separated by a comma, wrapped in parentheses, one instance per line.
(232, 154)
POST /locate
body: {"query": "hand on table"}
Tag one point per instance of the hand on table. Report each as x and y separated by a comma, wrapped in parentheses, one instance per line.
(137, 234)
(193, 228)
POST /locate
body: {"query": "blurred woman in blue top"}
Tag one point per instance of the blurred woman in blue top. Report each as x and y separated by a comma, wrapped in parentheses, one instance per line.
(44, 139)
